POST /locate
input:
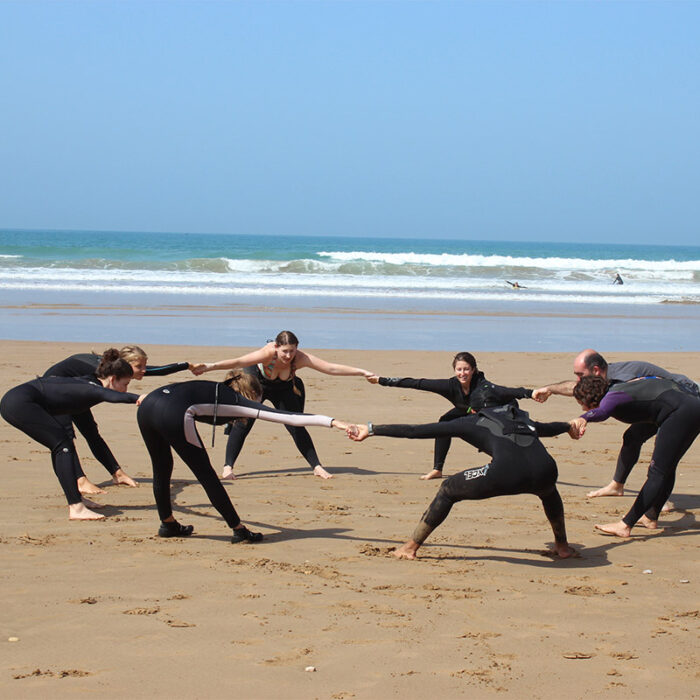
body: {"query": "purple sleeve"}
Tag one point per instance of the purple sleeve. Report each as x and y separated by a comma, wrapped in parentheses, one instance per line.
(610, 402)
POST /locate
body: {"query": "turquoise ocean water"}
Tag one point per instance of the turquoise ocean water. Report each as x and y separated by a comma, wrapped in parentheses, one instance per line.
(347, 292)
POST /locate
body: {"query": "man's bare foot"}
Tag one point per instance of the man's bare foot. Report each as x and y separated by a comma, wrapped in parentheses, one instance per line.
(86, 486)
(121, 478)
(614, 488)
(562, 550)
(92, 504)
(227, 474)
(619, 529)
(667, 507)
(321, 472)
(407, 551)
(432, 474)
(648, 523)
(78, 511)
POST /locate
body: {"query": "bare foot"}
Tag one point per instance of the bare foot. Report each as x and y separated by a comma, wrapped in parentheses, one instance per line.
(648, 523)
(92, 504)
(407, 551)
(432, 474)
(619, 529)
(78, 511)
(121, 478)
(667, 507)
(562, 550)
(614, 488)
(227, 474)
(321, 472)
(86, 486)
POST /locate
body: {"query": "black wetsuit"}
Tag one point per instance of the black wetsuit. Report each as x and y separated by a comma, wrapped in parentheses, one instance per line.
(673, 414)
(167, 420)
(38, 408)
(280, 393)
(637, 434)
(482, 393)
(85, 365)
(520, 463)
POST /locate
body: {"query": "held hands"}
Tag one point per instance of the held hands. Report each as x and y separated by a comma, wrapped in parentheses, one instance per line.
(372, 378)
(340, 424)
(577, 428)
(357, 432)
(199, 368)
(541, 394)
(140, 399)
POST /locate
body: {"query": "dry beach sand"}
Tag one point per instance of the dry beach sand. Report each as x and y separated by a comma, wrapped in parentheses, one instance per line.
(108, 609)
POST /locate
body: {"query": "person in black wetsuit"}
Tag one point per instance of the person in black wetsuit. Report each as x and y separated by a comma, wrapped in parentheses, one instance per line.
(38, 407)
(167, 419)
(85, 365)
(468, 391)
(661, 403)
(275, 365)
(520, 464)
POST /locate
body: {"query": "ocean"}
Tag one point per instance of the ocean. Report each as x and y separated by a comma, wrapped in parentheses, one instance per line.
(387, 293)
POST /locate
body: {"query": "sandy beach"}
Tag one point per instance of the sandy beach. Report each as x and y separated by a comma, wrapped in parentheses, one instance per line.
(109, 609)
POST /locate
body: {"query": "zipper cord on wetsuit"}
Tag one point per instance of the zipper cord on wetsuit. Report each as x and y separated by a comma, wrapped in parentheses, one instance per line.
(216, 410)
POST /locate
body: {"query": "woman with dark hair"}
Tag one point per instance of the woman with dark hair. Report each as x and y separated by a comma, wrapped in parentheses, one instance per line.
(167, 419)
(519, 464)
(659, 402)
(275, 365)
(85, 365)
(468, 391)
(39, 407)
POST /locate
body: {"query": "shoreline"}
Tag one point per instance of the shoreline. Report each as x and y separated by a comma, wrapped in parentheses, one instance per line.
(504, 327)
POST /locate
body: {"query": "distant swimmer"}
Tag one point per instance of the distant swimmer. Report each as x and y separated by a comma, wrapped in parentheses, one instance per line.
(515, 285)
(618, 279)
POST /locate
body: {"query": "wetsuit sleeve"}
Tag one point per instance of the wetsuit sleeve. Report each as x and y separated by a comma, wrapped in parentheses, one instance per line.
(163, 370)
(551, 429)
(455, 428)
(435, 386)
(244, 408)
(111, 396)
(607, 406)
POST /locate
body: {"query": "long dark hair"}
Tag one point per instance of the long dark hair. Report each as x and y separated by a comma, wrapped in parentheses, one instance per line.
(465, 357)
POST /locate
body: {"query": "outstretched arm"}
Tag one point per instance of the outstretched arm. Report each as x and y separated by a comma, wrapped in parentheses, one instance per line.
(560, 389)
(264, 355)
(304, 359)
(464, 428)
(163, 370)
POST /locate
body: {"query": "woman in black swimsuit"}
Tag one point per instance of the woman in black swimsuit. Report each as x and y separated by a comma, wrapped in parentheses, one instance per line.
(85, 365)
(467, 391)
(39, 407)
(275, 365)
(167, 419)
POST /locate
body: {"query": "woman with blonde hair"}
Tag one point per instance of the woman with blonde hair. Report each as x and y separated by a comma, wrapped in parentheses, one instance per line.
(167, 419)
(85, 365)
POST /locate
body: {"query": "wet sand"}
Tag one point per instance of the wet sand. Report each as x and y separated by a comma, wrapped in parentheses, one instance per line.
(109, 609)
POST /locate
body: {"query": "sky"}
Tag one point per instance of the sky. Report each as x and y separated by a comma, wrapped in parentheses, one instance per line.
(544, 121)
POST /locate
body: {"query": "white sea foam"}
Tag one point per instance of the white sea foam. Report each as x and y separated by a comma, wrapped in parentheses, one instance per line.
(465, 260)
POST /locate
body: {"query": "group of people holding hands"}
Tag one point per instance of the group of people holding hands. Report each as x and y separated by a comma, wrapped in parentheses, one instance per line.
(651, 400)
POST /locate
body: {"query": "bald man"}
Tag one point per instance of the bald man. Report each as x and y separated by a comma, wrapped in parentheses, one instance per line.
(591, 363)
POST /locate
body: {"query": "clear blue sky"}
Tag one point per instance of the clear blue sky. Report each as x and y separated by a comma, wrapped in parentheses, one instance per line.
(503, 120)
